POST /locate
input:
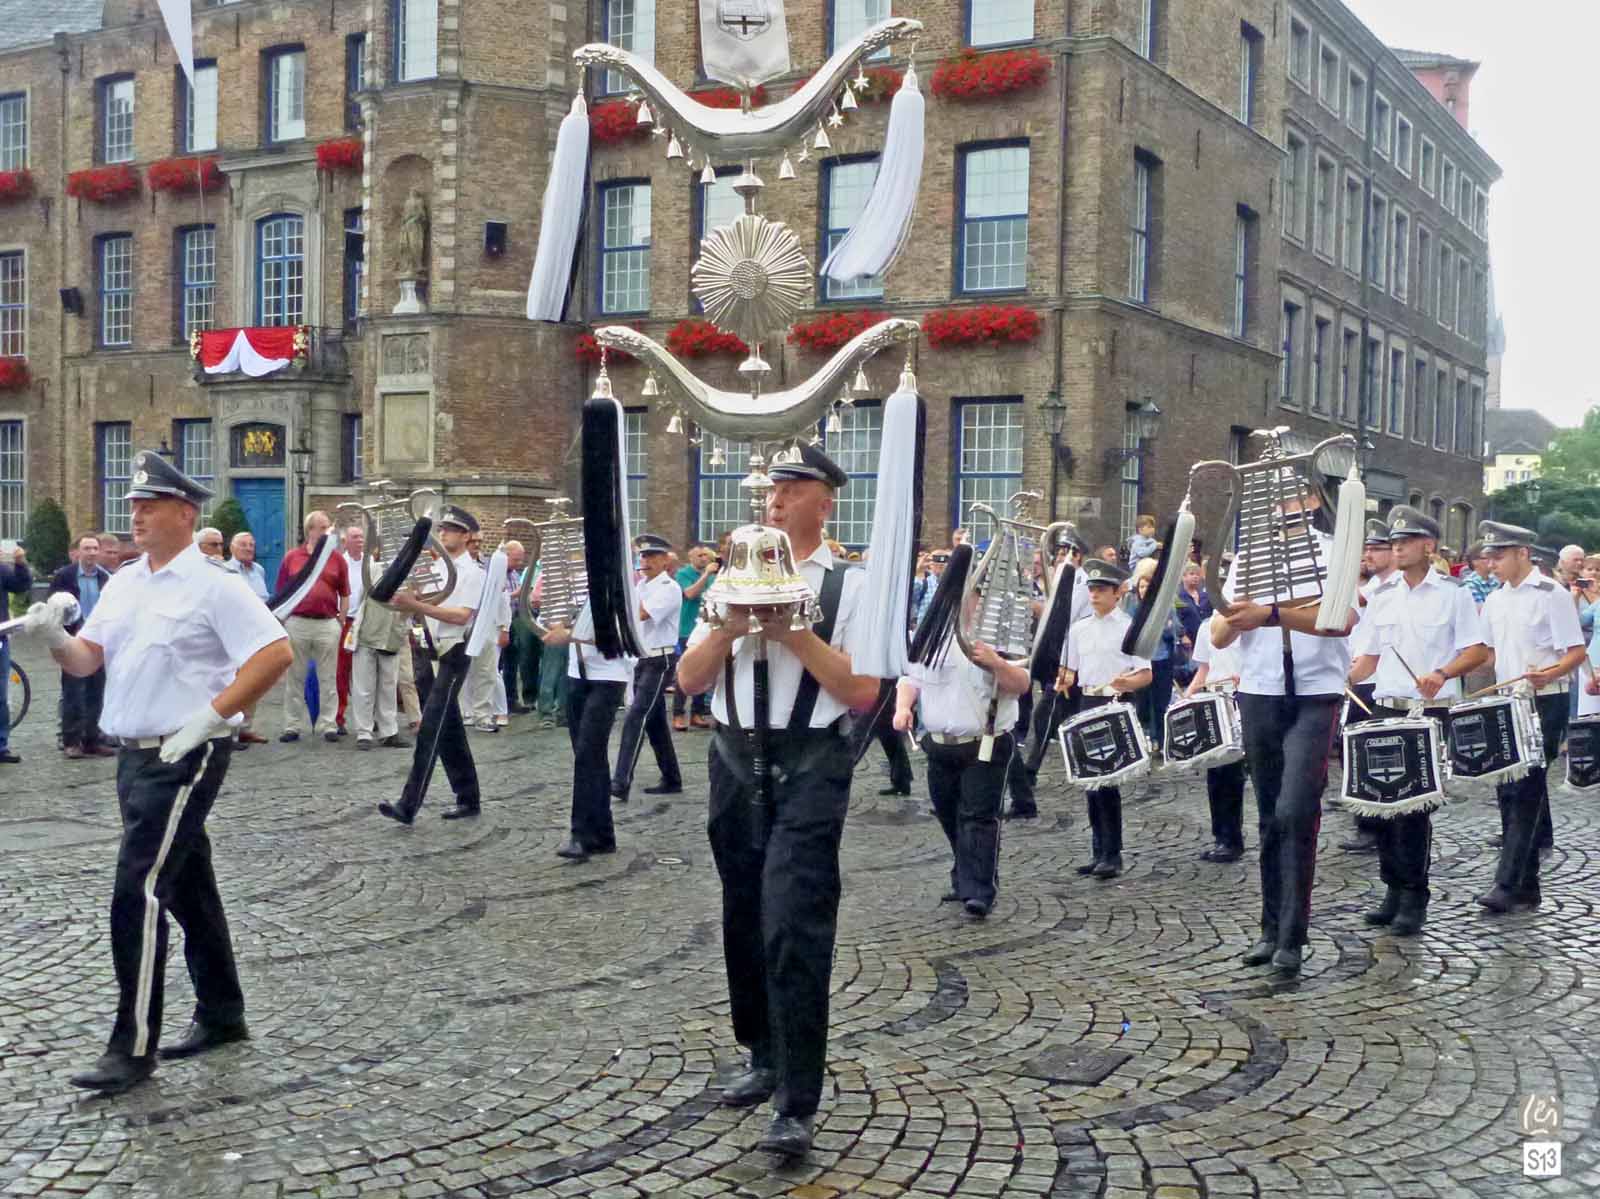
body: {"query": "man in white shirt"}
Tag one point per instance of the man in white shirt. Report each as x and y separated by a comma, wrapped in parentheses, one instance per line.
(443, 735)
(660, 603)
(1291, 683)
(1100, 670)
(242, 561)
(355, 542)
(1532, 627)
(776, 838)
(1377, 568)
(1416, 621)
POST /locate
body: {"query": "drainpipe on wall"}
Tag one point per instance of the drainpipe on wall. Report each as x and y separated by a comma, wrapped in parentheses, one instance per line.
(60, 431)
(1058, 375)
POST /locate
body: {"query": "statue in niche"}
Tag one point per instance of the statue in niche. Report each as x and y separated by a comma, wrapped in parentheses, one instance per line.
(411, 256)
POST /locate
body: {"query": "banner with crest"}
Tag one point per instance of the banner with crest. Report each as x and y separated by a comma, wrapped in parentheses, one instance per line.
(744, 42)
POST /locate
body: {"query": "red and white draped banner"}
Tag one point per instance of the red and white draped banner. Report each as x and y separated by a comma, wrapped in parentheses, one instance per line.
(254, 352)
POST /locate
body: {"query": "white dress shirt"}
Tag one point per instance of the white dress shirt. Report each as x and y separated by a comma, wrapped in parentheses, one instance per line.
(468, 589)
(1081, 609)
(1094, 649)
(1529, 627)
(173, 640)
(1427, 625)
(954, 696)
(1321, 664)
(255, 576)
(662, 598)
(597, 668)
(358, 584)
(1224, 663)
(784, 669)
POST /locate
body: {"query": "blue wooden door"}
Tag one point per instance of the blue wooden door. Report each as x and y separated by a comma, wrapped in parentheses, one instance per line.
(262, 501)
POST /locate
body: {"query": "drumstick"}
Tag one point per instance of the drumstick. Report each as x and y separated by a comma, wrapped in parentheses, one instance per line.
(1356, 700)
(1497, 686)
(1409, 671)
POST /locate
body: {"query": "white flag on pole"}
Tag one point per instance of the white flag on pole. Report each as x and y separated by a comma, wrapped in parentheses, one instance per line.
(181, 31)
(745, 42)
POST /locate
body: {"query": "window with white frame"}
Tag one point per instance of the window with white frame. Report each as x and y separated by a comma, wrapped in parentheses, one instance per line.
(851, 18)
(197, 257)
(13, 479)
(988, 454)
(1419, 399)
(199, 108)
(1397, 392)
(719, 204)
(996, 22)
(1354, 211)
(1320, 333)
(1139, 232)
(720, 504)
(1425, 166)
(1289, 370)
(1356, 102)
(846, 188)
(1480, 213)
(1464, 208)
(1294, 186)
(635, 447)
(1447, 186)
(1299, 51)
(1425, 273)
(629, 25)
(1479, 318)
(1328, 78)
(1475, 447)
(1378, 259)
(1132, 498)
(1372, 370)
(625, 247)
(994, 219)
(1441, 408)
(355, 442)
(286, 94)
(1249, 65)
(1147, 28)
(14, 131)
(1400, 254)
(1463, 325)
(116, 119)
(416, 39)
(854, 449)
(1349, 384)
(1244, 248)
(1382, 124)
(281, 269)
(1463, 429)
(1325, 222)
(13, 304)
(1446, 305)
(115, 454)
(116, 290)
(195, 457)
(1402, 144)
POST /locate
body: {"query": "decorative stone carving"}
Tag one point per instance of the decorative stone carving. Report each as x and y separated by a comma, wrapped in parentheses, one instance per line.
(405, 354)
(411, 253)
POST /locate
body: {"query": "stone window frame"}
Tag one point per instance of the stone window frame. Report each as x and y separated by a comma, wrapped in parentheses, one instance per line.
(961, 405)
(400, 21)
(270, 58)
(1291, 335)
(1246, 251)
(202, 432)
(829, 292)
(102, 114)
(1403, 162)
(355, 78)
(1480, 214)
(1467, 189)
(102, 248)
(1441, 374)
(15, 310)
(184, 290)
(1447, 184)
(1427, 163)
(1023, 6)
(1461, 394)
(1399, 253)
(14, 155)
(1400, 345)
(1355, 114)
(1445, 277)
(1327, 50)
(1350, 256)
(833, 41)
(1318, 399)
(1426, 267)
(1421, 372)
(115, 513)
(259, 260)
(1298, 22)
(613, 83)
(1329, 255)
(1379, 244)
(1294, 224)
(13, 489)
(184, 95)
(1374, 372)
(1382, 125)
(1348, 375)
(636, 459)
(1144, 226)
(1251, 45)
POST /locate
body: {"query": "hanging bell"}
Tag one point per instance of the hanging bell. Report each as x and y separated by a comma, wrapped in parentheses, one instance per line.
(848, 101)
(786, 168)
(645, 117)
(861, 386)
(651, 387)
(674, 150)
(717, 457)
(845, 400)
(821, 142)
(602, 386)
(707, 175)
(675, 423)
(835, 425)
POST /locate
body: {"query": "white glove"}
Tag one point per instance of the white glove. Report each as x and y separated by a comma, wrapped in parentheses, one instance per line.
(47, 619)
(203, 726)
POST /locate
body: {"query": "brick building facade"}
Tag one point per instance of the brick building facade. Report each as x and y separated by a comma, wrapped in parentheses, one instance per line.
(1135, 201)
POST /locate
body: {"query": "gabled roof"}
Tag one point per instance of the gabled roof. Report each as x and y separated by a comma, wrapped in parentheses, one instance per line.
(1518, 431)
(27, 22)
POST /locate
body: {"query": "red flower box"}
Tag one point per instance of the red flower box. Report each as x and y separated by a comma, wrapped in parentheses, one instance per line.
(692, 337)
(15, 185)
(13, 374)
(342, 154)
(973, 76)
(973, 326)
(614, 121)
(833, 330)
(184, 175)
(728, 97)
(102, 185)
(588, 351)
(882, 84)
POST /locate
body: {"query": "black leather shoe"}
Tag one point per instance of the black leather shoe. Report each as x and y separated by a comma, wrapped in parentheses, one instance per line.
(288, 736)
(1526, 903)
(395, 742)
(115, 1072)
(665, 788)
(750, 1088)
(331, 736)
(1496, 900)
(1286, 961)
(890, 791)
(1108, 867)
(1385, 912)
(1360, 843)
(1260, 953)
(394, 813)
(9, 758)
(461, 811)
(574, 851)
(1210, 855)
(1228, 853)
(1412, 914)
(976, 908)
(788, 1135)
(201, 1037)
(1496, 841)
(1087, 868)
(1014, 812)
(519, 709)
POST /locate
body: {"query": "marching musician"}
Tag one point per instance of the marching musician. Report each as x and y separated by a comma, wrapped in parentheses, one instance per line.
(186, 648)
(1377, 568)
(660, 603)
(1532, 628)
(966, 791)
(1418, 638)
(596, 686)
(1097, 666)
(442, 734)
(1216, 668)
(780, 900)
(1291, 682)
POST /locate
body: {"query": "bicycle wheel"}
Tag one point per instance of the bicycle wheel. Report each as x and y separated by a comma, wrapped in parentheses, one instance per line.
(19, 682)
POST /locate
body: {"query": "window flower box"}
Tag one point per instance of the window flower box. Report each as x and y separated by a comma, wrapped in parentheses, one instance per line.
(588, 351)
(612, 122)
(990, 324)
(184, 175)
(14, 374)
(833, 330)
(693, 338)
(728, 97)
(15, 185)
(341, 154)
(103, 185)
(973, 76)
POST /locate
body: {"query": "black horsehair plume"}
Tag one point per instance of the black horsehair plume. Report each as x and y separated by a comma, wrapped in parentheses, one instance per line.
(932, 638)
(604, 532)
(1047, 655)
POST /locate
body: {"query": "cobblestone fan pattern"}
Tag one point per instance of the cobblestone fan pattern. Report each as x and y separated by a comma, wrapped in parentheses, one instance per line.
(452, 1010)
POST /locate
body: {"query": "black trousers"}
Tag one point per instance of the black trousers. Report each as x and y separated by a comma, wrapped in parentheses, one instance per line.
(164, 865)
(442, 737)
(1525, 807)
(1105, 807)
(1405, 843)
(1035, 732)
(881, 729)
(591, 711)
(780, 903)
(967, 795)
(80, 709)
(1153, 701)
(698, 705)
(1225, 795)
(1287, 741)
(647, 716)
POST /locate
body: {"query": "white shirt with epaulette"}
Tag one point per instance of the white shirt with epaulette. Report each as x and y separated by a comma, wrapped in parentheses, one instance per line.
(1529, 627)
(1094, 649)
(1423, 627)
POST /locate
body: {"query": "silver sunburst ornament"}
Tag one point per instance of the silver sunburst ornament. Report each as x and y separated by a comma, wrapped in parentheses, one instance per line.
(752, 277)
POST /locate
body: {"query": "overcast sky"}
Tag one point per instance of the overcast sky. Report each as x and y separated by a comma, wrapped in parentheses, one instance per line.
(1529, 106)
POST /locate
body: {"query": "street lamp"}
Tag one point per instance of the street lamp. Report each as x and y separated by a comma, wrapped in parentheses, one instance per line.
(302, 455)
(1532, 491)
(1146, 427)
(1054, 413)
(1148, 417)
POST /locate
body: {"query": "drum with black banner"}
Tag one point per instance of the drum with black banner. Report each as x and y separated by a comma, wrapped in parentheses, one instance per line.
(1492, 740)
(1203, 732)
(1104, 746)
(1393, 767)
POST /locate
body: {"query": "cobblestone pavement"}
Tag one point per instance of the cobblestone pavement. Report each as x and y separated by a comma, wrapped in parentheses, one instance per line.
(452, 1009)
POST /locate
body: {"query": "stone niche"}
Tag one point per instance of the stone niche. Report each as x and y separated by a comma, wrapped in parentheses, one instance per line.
(402, 174)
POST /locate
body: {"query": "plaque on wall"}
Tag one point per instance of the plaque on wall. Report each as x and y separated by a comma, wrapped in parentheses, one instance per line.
(405, 354)
(406, 417)
(256, 445)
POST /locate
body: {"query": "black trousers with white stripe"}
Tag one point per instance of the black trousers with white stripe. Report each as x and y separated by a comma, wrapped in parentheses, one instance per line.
(164, 865)
(647, 716)
(967, 797)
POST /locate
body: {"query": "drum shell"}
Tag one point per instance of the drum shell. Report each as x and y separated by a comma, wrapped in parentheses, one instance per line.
(1393, 767)
(1492, 740)
(1583, 752)
(1104, 746)
(1202, 733)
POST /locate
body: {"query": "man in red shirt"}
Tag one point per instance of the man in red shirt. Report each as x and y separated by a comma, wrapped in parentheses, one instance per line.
(314, 628)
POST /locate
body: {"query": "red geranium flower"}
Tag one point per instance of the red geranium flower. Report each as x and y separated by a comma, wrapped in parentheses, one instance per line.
(692, 338)
(973, 76)
(613, 121)
(13, 374)
(184, 175)
(15, 185)
(831, 331)
(100, 185)
(973, 326)
(341, 154)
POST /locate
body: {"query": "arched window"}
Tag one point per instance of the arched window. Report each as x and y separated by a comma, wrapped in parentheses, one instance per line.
(281, 270)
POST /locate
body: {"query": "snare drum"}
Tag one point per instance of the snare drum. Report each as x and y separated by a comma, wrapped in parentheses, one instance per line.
(1104, 746)
(1393, 767)
(1583, 753)
(1203, 732)
(1492, 740)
